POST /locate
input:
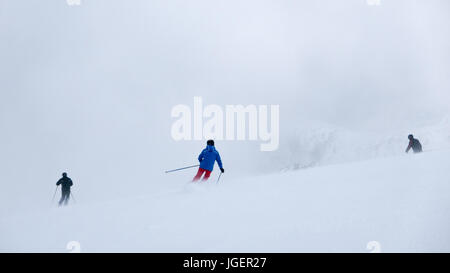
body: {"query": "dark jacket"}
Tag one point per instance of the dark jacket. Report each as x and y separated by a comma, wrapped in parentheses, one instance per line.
(415, 145)
(207, 158)
(65, 183)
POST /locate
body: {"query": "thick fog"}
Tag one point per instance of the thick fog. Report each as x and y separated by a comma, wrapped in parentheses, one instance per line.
(89, 89)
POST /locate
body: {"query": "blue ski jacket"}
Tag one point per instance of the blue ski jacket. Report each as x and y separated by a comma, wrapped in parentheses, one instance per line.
(207, 158)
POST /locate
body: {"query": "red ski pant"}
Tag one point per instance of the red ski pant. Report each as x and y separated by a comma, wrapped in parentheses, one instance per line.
(199, 174)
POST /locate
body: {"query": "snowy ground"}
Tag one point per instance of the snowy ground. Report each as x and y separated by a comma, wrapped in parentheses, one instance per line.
(401, 202)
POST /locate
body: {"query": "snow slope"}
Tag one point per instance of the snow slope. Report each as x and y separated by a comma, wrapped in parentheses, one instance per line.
(402, 202)
(317, 143)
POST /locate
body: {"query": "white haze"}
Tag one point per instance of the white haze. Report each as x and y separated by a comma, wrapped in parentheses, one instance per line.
(89, 89)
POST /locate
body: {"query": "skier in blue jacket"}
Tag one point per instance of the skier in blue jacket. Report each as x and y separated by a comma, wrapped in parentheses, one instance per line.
(207, 158)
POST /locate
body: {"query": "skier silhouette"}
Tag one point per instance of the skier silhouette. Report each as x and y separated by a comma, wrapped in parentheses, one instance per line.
(65, 183)
(207, 158)
(414, 144)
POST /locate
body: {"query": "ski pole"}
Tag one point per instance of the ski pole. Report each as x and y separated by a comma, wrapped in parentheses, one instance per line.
(73, 197)
(218, 178)
(53, 199)
(182, 168)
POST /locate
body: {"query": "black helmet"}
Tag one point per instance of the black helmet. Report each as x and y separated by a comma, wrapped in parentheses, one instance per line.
(410, 137)
(64, 174)
(210, 142)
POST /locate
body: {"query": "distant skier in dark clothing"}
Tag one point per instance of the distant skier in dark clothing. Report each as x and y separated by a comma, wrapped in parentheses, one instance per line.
(414, 144)
(65, 183)
(207, 159)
